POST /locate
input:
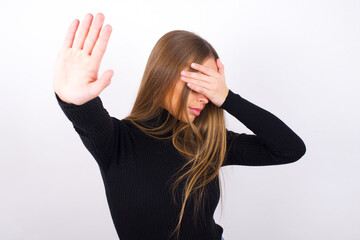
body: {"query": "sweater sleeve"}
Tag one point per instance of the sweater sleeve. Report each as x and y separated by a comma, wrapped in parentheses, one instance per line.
(93, 124)
(273, 142)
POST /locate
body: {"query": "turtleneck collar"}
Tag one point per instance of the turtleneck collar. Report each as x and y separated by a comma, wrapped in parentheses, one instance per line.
(158, 120)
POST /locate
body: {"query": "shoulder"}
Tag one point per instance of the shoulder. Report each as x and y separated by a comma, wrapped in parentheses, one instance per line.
(127, 127)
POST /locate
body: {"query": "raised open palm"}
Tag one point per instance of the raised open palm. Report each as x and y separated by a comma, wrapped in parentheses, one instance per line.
(77, 64)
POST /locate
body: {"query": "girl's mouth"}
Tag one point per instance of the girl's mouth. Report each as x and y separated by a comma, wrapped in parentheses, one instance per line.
(195, 111)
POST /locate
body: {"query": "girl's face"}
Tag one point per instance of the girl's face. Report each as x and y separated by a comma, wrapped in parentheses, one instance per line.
(195, 99)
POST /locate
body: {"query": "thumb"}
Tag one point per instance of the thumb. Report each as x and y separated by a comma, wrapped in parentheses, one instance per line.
(220, 66)
(100, 84)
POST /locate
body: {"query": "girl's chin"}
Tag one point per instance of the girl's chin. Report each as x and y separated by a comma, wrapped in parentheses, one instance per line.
(191, 117)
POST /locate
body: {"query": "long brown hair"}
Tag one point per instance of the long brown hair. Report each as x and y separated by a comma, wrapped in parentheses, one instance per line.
(203, 141)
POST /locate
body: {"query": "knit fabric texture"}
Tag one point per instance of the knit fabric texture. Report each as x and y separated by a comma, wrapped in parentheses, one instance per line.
(136, 169)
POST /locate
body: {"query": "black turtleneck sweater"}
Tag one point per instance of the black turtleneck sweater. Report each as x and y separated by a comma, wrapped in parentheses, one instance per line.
(136, 168)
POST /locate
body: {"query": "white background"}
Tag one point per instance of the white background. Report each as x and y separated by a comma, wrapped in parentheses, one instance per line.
(297, 59)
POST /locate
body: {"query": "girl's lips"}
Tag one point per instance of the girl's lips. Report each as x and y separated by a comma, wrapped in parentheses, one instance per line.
(195, 111)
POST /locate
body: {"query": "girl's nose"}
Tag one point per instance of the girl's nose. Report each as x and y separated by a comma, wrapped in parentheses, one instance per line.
(203, 98)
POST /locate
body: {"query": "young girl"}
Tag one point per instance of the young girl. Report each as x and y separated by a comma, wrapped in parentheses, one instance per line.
(160, 164)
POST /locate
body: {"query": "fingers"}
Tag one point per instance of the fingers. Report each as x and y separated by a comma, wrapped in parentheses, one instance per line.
(199, 76)
(94, 33)
(70, 34)
(101, 44)
(83, 31)
(207, 70)
(197, 88)
(99, 85)
(198, 82)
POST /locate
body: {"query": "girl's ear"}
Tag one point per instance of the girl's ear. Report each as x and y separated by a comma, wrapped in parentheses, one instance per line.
(220, 66)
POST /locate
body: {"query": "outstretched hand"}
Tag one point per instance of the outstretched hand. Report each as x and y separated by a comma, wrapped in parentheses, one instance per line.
(209, 82)
(77, 64)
